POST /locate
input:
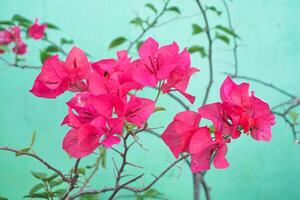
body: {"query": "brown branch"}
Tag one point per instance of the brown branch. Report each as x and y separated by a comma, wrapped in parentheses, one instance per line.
(49, 166)
(16, 65)
(210, 42)
(270, 85)
(235, 56)
(72, 180)
(150, 25)
(206, 189)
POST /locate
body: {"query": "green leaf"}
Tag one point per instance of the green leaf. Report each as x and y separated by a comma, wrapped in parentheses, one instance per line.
(52, 177)
(60, 192)
(66, 41)
(214, 9)
(32, 139)
(3, 198)
(152, 193)
(137, 21)
(36, 188)
(197, 29)
(44, 55)
(103, 157)
(43, 195)
(23, 21)
(138, 44)
(139, 197)
(54, 183)
(81, 170)
(227, 30)
(6, 22)
(52, 48)
(116, 42)
(39, 175)
(4, 48)
(52, 26)
(198, 49)
(223, 38)
(174, 9)
(294, 116)
(22, 151)
(151, 7)
(159, 108)
(90, 197)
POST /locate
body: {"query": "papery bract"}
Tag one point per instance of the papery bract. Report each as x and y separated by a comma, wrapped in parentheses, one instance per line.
(36, 30)
(179, 132)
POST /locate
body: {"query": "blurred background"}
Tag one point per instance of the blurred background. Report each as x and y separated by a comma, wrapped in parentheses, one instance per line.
(269, 49)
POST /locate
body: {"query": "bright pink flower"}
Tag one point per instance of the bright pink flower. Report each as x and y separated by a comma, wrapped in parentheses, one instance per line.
(258, 119)
(6, 37)
(56, 76)
(179, 132)
(37, 31)
(155, 64)
(202, 147)
(20, 48)
(138, 110)
(53, 79)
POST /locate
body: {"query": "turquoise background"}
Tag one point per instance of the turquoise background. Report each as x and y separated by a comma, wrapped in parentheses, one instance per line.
(269, 50)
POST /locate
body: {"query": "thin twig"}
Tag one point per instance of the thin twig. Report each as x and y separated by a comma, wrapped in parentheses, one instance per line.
(49, 166)
(150, 25)
(209, 55)
(16, 65)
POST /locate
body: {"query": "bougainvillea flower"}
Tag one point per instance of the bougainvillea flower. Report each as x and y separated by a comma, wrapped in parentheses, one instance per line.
(233, 93)
(138, 110)
(224, 118)
(155, 63)
(71, 145)
(258, 119)
(53, 79)
(202, 147)
(6, 37)
(36, 30)
(20, 48)
(57, 76)
(179, 132)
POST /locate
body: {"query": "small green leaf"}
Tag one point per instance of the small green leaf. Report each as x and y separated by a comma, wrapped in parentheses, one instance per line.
(197, 29)
(174, 9)
(151, 7)
(90, 197)
(199, 49)
(137, 21)
(52, 48)
(43, 195)
(223, 38)
(60, 192)
(3, 198)
(294, 116)
(152, 193)
(103, 157)
(66, 41)
(227, 30)
(44, 55)
(22, 151)
(138, 44)
(159, 108)
(52, 177)
(52, 26)
(4, 48)
(214, 9)
(116, 42)
(36, 188)
(54, 183)
(39, 175)
(23, 21)
(32, 139)
(81, 171)
(6, 22)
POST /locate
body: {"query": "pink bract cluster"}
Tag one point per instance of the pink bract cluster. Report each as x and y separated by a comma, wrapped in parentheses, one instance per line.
(12, 35)
(105, 99)
(237, 112)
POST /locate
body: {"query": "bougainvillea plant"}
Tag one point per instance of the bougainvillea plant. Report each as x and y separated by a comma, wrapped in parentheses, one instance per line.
(108, 110)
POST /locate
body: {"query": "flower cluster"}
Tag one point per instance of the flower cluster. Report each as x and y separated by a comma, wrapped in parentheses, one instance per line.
(105, 100)
(238, 112)
(12, 35)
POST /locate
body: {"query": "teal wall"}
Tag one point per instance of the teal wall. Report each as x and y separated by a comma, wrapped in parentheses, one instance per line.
(270, 50)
